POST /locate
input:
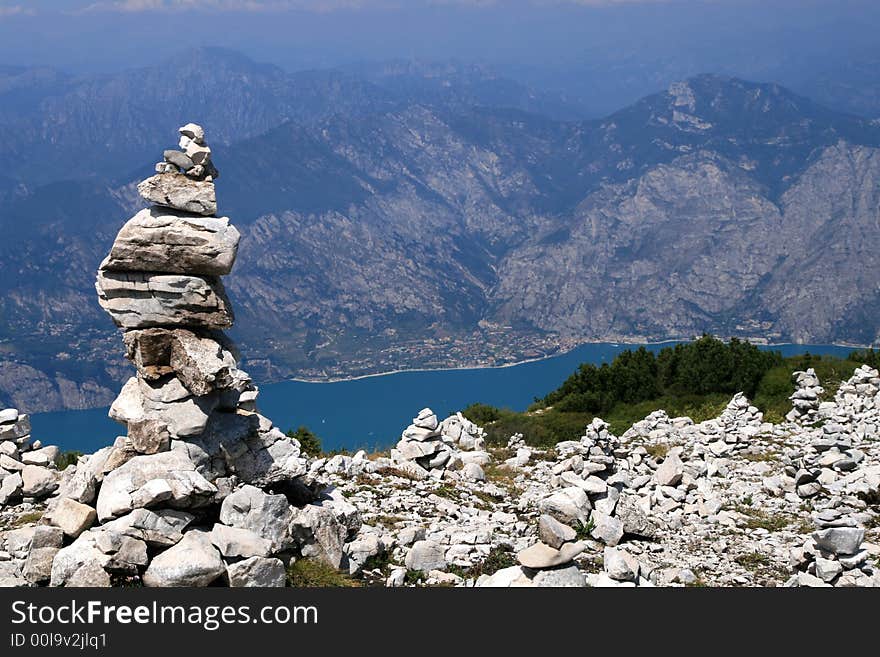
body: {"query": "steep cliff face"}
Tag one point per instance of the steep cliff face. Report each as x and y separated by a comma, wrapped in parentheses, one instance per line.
(426, 235)
(698, 245)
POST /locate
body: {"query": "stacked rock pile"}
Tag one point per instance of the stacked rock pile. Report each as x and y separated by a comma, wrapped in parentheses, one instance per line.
(547, 563)
(185, 178)
(429, 447)
(805, 400)
(832, 556)
(856, 404)
(202, 489)
(27, 469)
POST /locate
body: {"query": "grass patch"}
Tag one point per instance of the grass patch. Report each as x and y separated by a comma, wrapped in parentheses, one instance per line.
(27, 519)
(497, 559)
(312, 573)
(760, 457)
(753, 560)
(391, 471)
(658, 451)
(760, 519)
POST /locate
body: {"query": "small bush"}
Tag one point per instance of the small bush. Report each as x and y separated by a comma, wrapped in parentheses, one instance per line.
(308, 441)
(66, 459)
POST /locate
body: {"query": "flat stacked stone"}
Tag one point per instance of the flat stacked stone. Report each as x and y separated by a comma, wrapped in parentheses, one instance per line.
(202, 489)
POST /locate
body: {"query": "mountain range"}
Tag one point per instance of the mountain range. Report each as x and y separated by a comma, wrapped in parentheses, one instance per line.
(414, 215)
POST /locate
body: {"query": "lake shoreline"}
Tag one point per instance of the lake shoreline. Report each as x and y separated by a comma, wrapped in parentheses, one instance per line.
(561, 352)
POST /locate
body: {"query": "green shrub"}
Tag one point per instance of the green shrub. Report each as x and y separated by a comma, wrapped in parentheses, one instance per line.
(308, 442)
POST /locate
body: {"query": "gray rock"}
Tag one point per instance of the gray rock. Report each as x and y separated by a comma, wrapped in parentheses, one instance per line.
(607, 529)
(567, 577)
(10, 487)
(156, 528)
(193, 131)
(426, 419)
(425, 556)
(72, 517)
(194, 561)
(179, 192)
(540, 556)
(570, 506)
(179, 159)
(474, 472)
(554, 533)
(38, 481)
(361, 550)
(257, 572)
(670, 471)
(319, 534)
(119, 492)
(45, 544)
(163, 241)
(620, 565)
(635, 521)
(839, 540)
(10, 575)
(142, 300)
(268, 516)
(238, 542)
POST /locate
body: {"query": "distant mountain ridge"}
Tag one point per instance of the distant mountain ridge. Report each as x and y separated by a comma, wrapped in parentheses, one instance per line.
(395, 233)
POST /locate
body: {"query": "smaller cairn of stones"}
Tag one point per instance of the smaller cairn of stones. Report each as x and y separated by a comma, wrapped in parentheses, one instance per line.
(184, 179)
(27, 469)
(437, 448)
(833, 555)
(805, 400)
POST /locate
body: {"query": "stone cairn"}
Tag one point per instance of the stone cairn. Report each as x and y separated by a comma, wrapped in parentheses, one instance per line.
(805, 399)
(202, 489)
(27, 470)
(432, 448)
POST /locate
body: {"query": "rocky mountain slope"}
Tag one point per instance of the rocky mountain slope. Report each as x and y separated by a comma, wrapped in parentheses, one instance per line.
(396, 234)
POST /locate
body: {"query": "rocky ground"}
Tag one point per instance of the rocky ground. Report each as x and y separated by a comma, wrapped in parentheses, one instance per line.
(733, 501)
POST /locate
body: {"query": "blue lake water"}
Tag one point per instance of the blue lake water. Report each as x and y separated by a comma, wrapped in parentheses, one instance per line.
(371, 412)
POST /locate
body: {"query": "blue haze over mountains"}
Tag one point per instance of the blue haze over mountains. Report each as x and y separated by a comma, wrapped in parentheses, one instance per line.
(408, 212)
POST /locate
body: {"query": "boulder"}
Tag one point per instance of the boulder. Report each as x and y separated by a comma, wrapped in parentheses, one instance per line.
(193, 561)
(540, 555)
(73, 517)
(38, 481)
(607, 529)
(121, 489)
(267, 516)
(161, 528)
(10, 487)
(162, 241)
(570, 506)
(620, 565)
(554, 533)
(319, 534)
(257, 572)
(839, 540)
(238, 542)
(425, 556)
(142, 300)
(562, 577)
(179, 192)
(670, 471)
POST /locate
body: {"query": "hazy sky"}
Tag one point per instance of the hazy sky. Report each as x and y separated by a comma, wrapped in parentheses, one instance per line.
(634, 44)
